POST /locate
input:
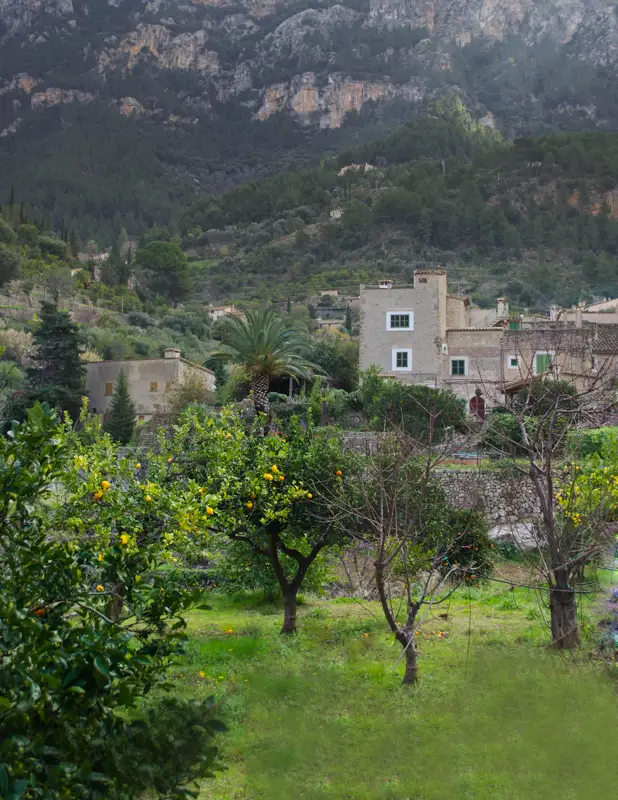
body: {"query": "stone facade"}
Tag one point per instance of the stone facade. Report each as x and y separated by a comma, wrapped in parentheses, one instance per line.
(425, 303)
(502, 498)
(481, 351)
(149, 382)
(420, 334)
(442, 327)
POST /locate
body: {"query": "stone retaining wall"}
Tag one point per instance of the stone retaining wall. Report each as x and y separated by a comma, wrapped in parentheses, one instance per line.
(502, 498)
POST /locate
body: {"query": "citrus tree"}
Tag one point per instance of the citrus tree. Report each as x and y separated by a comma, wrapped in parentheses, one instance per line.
(73, 659)
(269, 496)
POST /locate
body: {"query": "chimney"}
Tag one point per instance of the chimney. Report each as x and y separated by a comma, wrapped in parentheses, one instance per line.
(171, 352)
(502, 307)
(554, 312)
(578, 317)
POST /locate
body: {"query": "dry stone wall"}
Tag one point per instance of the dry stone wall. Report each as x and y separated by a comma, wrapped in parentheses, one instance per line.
(501, 497)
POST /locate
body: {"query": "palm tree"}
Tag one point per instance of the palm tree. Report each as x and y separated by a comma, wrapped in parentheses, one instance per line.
(266, 348)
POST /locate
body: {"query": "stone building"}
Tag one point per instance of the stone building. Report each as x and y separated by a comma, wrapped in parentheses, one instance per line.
(220, 312)
(421, 334)
(149, 381)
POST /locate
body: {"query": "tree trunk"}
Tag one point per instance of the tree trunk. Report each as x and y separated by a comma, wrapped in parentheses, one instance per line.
(116, 604)
(259, 388)
(563, 613)
(289, 611)
(406, 639)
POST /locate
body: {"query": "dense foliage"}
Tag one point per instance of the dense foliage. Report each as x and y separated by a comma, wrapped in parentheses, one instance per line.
(89, 625)
(504, 218)
(189, 129)
(584, 443)
(427, 415)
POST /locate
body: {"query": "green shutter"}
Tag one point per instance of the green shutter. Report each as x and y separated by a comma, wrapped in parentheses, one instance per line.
(543, 362)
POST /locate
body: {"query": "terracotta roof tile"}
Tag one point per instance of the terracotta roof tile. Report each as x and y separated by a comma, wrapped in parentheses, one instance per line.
(604, 339)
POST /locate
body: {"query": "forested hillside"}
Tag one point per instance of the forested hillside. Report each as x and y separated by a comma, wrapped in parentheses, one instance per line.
(534, 219)
(129, 111)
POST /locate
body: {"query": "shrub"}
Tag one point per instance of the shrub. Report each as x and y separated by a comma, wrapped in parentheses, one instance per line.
(592, 442)
(503, 434)
(277, 398)
(419, 411)
(188, 322)
(140, 320)
(53, 247)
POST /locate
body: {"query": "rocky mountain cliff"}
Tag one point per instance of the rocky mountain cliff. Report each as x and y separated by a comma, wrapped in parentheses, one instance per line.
(202, 70)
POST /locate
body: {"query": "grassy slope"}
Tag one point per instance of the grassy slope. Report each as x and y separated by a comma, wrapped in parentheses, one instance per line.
(322, 715)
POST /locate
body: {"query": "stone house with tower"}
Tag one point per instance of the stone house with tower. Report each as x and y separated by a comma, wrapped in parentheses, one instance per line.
(419, 333)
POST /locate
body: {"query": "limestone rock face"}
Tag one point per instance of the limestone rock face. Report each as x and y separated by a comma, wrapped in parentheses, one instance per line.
(188, 51)
(183, 58)
(54, 97)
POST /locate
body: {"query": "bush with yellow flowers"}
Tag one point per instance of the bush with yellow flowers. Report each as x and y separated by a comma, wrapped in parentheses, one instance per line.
(89, 623)
(587, 492)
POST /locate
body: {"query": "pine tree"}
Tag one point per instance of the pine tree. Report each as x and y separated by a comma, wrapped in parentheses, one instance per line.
(120, 421)
(57, 376)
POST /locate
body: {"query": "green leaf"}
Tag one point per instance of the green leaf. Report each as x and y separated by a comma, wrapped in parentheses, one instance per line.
(4, 780)
(101, 666)
(18, 790)
(71, 677)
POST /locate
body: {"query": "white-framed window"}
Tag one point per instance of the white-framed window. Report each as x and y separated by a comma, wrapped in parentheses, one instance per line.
(402, 360)
(543, 359)
(399, 320)
(513, 362)
(459, 366)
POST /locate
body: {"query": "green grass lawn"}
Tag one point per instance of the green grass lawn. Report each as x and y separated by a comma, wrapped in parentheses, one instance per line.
(323, 715)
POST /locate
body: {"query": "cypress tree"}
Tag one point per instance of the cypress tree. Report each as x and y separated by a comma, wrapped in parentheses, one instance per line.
(57, 375)
(120, 421)
(348, 319)
(74, 243)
